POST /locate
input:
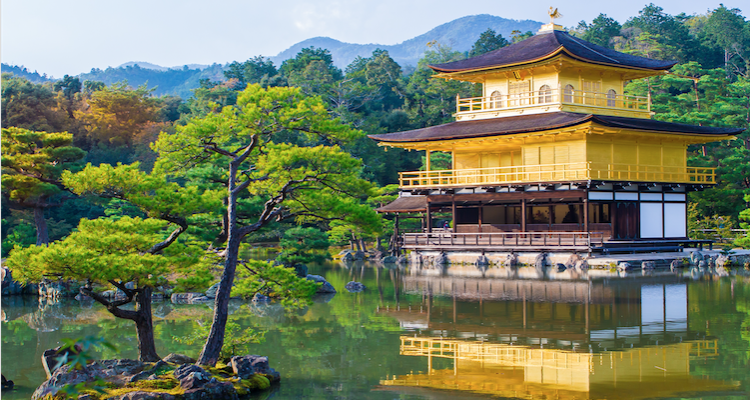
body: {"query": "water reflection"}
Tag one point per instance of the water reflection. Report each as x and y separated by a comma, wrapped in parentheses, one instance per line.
(489, 332)
(524, 372)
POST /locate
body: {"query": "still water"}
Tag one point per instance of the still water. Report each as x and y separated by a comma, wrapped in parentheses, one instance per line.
(448, 334)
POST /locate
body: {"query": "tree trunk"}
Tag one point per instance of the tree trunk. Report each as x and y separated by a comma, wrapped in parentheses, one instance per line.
(212, 349)
(145, 327)
(42, 236)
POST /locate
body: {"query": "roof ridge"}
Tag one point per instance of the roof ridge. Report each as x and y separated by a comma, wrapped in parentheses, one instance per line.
(583, 43)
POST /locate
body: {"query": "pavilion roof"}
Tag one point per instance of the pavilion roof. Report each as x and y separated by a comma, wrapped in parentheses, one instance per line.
(542, 122)
(549, 44)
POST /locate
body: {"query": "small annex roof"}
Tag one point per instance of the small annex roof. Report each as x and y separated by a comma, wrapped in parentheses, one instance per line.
(542, 122)
(546, 45)
(405, 204)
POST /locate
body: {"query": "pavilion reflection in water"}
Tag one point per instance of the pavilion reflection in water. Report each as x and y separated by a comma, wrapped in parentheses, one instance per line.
(525, 372)
(562, 339)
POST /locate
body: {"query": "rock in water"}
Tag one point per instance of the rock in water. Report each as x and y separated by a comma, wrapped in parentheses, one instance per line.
(326, 287)
(511, 260)
(354, 287)
(675, 264)
(50, 358)
(211, 292)
(561, 267)
(623, 266)
(648, 265)
(389, 260)
(482, 261)
(540, 261)
(247, 366)
(573, 260)
(7, 385)
(695, 257)
(301, 270)
(359, 255)
(582, 265)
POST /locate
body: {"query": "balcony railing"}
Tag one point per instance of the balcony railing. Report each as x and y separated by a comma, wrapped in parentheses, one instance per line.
(562, 172)
(500, 240)
(554, 96)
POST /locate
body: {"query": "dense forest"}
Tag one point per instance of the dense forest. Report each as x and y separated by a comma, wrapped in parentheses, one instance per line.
(113, 123)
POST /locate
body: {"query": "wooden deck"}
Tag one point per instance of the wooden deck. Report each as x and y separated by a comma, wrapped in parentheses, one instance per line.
(504, 241)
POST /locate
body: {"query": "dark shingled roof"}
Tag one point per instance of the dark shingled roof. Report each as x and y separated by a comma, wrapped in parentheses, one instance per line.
(405, 204)
(547, 44)
(541, 122)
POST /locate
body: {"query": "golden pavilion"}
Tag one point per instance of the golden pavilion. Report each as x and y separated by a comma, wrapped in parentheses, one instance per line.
(553, 155)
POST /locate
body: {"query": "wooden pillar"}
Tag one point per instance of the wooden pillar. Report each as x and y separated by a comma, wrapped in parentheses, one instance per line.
(453, 213)
(427, 160)
(396, 235)
(585, 214)
(429, 219)
(480, 218)
(523, 215)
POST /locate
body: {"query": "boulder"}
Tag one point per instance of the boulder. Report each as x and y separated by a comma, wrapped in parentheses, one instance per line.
(326, 287)
(247, 366)
(201, 300)
(582, 265)
(511, 260)
(440, 259)
(624, 266)
(354, 287)
(648, 265)
(560, 267)
(359, 255)
(9, 286)
(347, 258)
(97, 370)
(188, 369)
(259, 298)
(50, 358)
(185, 298)
(574, 259)
(540, 261)
(675, 264)
(722, 261)
(195, 380)
(403, 260)
(702, 264)
(695, 257)
(212, 390)
(211, 292)
(7, 384)
(301, 270)
(482, 261)
(56, 289)
(179, 359)
(389, 260)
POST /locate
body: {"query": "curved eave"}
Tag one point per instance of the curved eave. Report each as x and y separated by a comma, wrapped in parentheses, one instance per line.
(445, 73)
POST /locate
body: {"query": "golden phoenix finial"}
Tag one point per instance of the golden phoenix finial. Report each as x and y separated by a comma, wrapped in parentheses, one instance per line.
(553, 13)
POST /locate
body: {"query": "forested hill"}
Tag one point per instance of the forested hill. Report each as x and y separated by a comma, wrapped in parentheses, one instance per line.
(21, 71)
(172, 81)
(459, 34)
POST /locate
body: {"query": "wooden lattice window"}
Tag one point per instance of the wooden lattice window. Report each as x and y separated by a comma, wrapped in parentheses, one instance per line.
(518, 93)
(496, 99)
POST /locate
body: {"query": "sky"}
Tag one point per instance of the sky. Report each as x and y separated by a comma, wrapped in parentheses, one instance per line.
(73, 36)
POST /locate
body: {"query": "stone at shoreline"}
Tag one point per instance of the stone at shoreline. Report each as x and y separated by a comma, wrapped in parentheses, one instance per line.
(695, 257)
(359, 255)
(389, 260)
(326, 287)
(300, 270)
(179, 359)
(648, 265)
(56, 289)
(260, 298)
(560, 267)
(354, 287)
(540, 261)
(511, 260)
(50, 358)
(573, 260)
(186, 298)
(624, 266)
(100, 369)
(7, 384)
(482, 261)
(246, 366)
(675, 264)
(211, 292)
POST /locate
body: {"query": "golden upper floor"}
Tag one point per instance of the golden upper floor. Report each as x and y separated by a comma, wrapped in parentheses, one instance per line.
(552, 71)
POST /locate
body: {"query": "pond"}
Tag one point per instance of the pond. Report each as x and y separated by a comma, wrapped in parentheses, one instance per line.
(460, 332)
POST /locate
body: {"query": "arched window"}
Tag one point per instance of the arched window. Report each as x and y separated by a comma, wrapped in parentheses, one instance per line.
(545, 94)
(496, 99)
(611, 98)
(568, 94)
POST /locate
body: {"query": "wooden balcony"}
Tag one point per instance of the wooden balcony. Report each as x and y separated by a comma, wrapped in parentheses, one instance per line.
(551, 100)
(563, 172)
(505, 241)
